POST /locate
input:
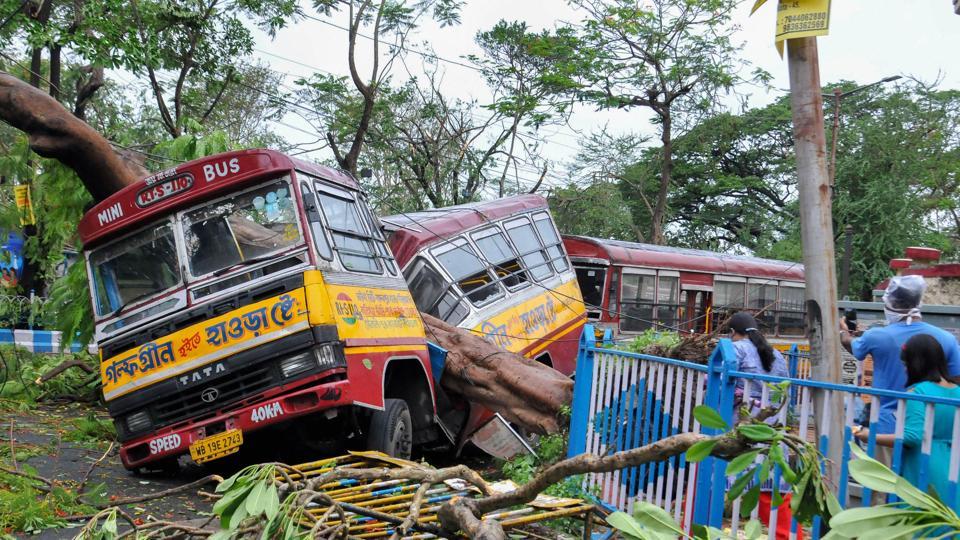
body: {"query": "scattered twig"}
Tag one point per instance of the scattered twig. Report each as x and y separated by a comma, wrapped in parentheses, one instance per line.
(13, 451)
(160, 494)
(75, 363)
(414, 514)
(48, 484)
(86, 477)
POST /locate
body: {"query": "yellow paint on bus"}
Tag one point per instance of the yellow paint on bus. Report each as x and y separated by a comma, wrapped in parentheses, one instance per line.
(519, 326)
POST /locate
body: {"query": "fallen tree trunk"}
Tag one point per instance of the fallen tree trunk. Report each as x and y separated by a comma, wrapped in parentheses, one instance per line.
(523, 391)
(54, 132)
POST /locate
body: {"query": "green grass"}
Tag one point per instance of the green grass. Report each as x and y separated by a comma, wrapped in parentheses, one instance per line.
(91, 430)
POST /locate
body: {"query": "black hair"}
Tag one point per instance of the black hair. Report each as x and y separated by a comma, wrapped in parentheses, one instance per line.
(744, 324)
(924, 359)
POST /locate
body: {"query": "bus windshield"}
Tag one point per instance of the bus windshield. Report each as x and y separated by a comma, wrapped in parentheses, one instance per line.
(135, 268)
(245, 226)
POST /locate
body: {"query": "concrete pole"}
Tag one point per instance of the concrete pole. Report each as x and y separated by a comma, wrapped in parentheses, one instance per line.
(816, 232)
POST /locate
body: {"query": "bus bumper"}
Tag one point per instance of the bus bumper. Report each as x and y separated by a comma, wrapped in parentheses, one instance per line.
(275, 407)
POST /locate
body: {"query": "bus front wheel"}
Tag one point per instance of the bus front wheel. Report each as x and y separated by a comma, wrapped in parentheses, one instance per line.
(391, 430)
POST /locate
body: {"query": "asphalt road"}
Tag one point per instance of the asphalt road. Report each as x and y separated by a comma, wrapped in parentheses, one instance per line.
(44, 432)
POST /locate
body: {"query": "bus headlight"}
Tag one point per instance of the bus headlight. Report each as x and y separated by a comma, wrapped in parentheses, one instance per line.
(330, 355)
(138, 421)
(296, 365)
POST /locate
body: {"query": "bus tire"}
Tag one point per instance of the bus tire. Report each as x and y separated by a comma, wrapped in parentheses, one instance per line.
(391, 430)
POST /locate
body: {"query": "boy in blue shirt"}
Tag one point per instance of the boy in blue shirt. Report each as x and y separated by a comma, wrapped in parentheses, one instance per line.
(901, 305)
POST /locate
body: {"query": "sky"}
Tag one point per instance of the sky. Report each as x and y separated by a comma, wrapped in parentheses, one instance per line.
(869, 40)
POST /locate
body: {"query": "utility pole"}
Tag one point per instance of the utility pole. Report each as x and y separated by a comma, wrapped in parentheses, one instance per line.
(816, 232)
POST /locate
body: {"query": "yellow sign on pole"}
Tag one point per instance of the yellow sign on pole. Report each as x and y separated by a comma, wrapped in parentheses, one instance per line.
(21, 194)
(799, 18)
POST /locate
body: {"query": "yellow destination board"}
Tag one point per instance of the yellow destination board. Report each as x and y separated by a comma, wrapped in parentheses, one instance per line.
(203, 343)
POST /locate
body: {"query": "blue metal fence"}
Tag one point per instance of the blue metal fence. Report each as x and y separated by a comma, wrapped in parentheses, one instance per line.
(625, 400)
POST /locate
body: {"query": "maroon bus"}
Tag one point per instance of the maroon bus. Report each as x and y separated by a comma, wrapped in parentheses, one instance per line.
(630, 287)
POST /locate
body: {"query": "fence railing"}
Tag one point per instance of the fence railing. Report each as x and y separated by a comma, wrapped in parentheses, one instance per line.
(39, 341)
(625, 400)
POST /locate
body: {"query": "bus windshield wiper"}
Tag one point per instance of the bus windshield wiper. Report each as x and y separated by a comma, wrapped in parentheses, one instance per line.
(129, 302)
(241, 264)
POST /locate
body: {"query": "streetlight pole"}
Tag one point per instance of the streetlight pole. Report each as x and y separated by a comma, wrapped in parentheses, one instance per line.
(837, 97)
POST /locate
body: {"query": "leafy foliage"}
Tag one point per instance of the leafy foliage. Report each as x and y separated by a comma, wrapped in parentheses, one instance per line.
(918, 515)
(25, 508)
(20, 368)
(811, 495)
(671, 56)
(250, 493)
(648, 339)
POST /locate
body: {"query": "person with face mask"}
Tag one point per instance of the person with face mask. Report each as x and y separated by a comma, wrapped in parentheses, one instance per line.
(901, 305)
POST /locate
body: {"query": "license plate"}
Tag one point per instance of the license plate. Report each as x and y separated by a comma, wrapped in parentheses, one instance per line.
(216, 446)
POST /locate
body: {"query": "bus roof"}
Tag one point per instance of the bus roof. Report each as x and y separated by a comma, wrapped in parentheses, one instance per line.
(189, 183)
(413, 231)
(693, 260)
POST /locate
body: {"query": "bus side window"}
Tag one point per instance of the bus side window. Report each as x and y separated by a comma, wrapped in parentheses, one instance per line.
(667, 298)
(379, 242)
(316, 225)
(528, 245)
(791, 315)
(728, 298)
(637, 297)
(351, 239)
(470, 274)
(550, 239)
(501, 257)
(762, 300)
(432, 294)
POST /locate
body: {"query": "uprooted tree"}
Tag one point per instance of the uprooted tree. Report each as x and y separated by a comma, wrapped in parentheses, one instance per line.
(527, 393)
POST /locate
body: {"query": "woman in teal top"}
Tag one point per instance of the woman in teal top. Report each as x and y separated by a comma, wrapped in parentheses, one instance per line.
(927, 375)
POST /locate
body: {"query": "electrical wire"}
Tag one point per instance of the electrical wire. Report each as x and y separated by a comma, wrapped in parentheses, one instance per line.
(14, 14)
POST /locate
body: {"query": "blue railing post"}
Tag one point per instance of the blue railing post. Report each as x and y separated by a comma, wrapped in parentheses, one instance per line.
(582, 389)
(703, 510)
(793, 364)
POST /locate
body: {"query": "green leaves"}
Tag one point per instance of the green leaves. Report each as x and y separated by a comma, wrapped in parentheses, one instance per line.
(757, 432)
(249, 493)
(709, 417)
(741, 462)
(656, 519)
(648, 522)
(701, 450)
(920, 514)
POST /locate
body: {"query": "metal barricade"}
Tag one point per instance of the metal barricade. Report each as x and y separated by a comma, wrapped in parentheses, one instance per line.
(626, 400)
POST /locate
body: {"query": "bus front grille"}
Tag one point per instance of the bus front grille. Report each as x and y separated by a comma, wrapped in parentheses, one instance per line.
(238, 385)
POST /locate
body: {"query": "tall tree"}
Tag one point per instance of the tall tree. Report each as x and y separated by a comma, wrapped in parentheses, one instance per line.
(529, 74)
(897, 156)
(387, 24)
(673, 57)
(432, 147)
(733, 182)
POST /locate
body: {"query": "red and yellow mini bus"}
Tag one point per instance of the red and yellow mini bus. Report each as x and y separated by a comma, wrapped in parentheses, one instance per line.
(239, 292)
(499, 269)
(630, 287)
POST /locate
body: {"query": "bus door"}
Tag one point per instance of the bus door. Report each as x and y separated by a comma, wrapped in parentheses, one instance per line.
(696, 296)
(592, 279)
